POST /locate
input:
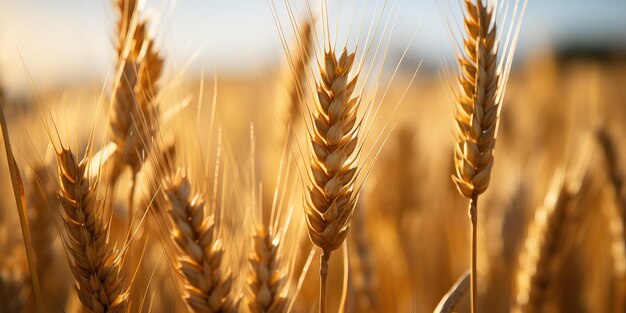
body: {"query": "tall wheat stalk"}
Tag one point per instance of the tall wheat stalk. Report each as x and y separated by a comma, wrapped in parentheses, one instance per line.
(331, 197)
(482, 81)
(477, 114)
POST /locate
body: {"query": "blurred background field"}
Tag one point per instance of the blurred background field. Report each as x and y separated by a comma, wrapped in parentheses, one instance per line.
(568, 80)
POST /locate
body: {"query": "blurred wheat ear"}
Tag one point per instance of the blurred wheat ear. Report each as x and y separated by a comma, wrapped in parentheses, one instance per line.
(298, 64)
(616, 216)
(134, 116)
(545, 233)
(266, 279)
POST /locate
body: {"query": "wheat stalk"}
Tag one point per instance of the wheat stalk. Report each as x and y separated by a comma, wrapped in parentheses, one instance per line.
(96, 267)
(266, 278)
(477, 114)
(199, 250)
(331, 197)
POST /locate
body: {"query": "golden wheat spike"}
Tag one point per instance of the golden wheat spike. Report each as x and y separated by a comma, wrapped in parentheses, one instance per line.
(477, 109)
(98, 276)
(133, 120)
(199, 250)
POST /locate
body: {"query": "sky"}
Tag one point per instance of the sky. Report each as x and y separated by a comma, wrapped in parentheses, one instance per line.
(60, 41)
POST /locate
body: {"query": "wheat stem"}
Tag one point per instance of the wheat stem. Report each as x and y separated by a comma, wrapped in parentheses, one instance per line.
(323, 279)
(473, 214)
(131, 200)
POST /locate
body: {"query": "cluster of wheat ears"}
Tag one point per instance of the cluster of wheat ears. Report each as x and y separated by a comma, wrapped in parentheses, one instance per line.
(182, 213)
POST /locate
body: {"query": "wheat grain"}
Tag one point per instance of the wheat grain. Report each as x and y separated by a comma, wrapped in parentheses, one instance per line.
(96, 267)
(200, 251)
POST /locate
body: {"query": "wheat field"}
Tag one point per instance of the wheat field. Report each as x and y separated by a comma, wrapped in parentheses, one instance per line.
(351, 178)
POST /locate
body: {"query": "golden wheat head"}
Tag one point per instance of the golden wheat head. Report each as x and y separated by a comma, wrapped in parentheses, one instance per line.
(97, 270)
(477, 110)
(133, 120)
(200, 251)
(331, 197)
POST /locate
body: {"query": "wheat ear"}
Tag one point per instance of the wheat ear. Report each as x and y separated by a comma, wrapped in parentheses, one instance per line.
(362, 266)
(542, 247)
(133, 120)
(199, 250)
(42, 200)
(477, 115)
(266, 279)
(331, 197)
(96, 267)
(297, 75)
(616, 217)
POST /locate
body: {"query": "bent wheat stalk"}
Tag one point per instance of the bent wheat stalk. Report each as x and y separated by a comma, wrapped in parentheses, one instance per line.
(18, 193)
(96, 267)
(331, 197)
